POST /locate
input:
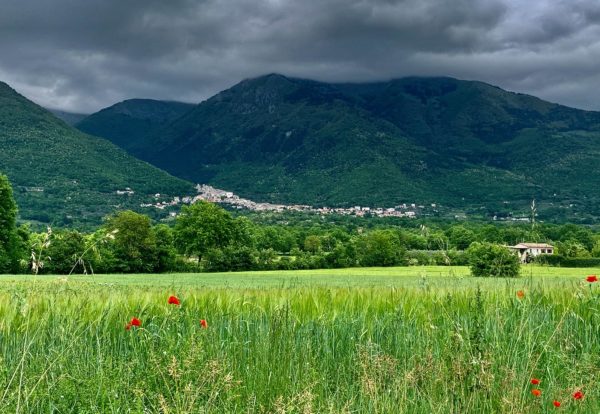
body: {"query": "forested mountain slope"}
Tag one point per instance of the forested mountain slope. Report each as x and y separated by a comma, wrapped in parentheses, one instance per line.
(425, 140)
(63, 176)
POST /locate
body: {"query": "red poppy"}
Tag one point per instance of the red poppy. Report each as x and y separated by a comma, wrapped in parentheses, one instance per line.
(556, 403)
(592, 278)
(173, 300)
(520, 294)
(203, 323)
(536, 392)
(135, 322)
(578, 395)
(128, 326)
(535, 381)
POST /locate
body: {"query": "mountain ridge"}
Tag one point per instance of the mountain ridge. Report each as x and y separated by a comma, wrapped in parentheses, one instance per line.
(443, 140)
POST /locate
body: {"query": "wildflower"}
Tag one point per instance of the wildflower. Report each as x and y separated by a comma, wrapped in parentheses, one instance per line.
(135, 322)
(592, 278)
(203, 323)
(520, 294)
(128, 327)
(578, 395)
(556, 403)
(536, 392)
(535, 381)
(173, 300)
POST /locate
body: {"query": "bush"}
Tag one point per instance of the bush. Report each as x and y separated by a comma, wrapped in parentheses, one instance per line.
(561, 261)
(458, 257)
(438, 257)
(492, 260)
(421, 257)
(230, 259)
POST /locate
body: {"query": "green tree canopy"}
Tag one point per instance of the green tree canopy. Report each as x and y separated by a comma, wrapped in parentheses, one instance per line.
(134, 247)
(380, 248)
(460, 237)
(492, 260)
(10, 254)
(204, 226)
(63, 251)
(165, 248)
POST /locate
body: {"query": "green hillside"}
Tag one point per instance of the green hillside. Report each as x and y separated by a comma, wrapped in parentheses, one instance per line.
(463, 144)
(129, 123)
(63, 176)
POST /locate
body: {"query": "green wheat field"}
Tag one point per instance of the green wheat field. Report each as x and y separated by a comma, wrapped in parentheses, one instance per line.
(393, 340)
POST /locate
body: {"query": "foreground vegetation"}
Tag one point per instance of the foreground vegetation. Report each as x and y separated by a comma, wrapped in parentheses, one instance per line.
(429, 340)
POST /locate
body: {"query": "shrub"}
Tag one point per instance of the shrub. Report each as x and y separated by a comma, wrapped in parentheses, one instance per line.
(438, 257)
(561, 261)
(458, 257)
(230, 259)
(549, 259)
(492, 260)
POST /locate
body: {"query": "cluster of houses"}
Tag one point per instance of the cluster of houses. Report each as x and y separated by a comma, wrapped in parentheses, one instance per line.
(215, 195)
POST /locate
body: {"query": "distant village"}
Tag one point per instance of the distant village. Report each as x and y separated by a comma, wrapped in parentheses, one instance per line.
(215, 195)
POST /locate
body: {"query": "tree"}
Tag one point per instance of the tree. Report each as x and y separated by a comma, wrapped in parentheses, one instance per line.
(596, 249)
(490, 233)
(230, 259)
(574, 233)
(278, 238)
(460, 237)
(573, 249)
(10, 253)
(492, 260)
(380, 248)
(343, 255)
(312, 244)
(63, 251)
(413, 241)
(166, 254)
(204, 226)
(266, 259)
(134, 247)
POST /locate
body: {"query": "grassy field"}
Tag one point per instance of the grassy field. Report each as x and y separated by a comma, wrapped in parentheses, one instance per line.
(394, 340)
(451, 276)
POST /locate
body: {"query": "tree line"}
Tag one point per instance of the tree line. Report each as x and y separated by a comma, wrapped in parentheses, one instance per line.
(206, 237)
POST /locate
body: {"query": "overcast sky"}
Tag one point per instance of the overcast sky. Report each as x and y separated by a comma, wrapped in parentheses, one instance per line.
(82, 55)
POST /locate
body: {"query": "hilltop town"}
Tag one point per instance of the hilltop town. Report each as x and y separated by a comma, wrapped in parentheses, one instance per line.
(215, 195)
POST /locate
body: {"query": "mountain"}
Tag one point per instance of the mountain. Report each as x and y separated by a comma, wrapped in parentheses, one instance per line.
(63, 176)
(128, 123)
(70, 118)
(464, 144)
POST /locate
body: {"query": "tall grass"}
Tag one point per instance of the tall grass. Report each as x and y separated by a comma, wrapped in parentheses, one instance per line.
(64, 348)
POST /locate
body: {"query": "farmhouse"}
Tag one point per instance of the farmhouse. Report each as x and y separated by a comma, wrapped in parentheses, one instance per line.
(526, 251)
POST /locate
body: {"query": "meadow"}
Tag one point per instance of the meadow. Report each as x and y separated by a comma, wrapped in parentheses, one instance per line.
(371, 340)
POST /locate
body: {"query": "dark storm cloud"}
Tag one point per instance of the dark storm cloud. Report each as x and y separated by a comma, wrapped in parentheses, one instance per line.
(83, 55)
